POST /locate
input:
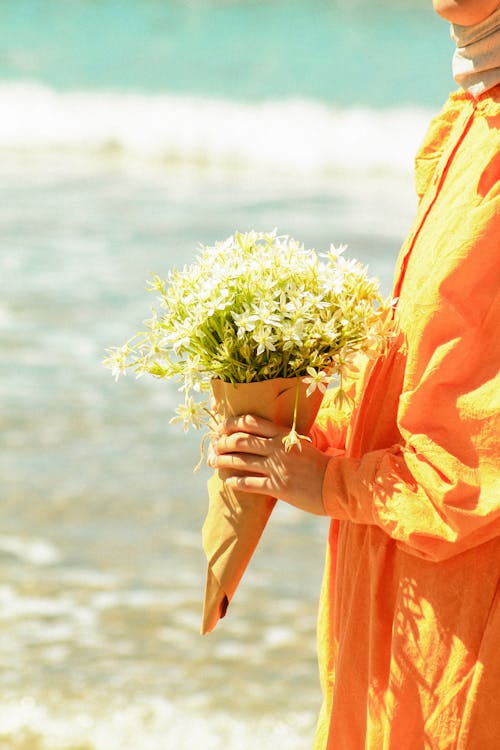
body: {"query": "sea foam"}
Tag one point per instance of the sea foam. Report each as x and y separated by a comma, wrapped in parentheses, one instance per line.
(33, 551)
(290, 134)
(148, 723)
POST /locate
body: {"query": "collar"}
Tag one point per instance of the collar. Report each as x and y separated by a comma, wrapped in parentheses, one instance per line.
(476, 61)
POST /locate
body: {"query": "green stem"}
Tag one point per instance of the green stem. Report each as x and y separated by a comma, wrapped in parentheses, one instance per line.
(296, 406)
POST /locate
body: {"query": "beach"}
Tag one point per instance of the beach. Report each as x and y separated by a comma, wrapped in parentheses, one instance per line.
(131, 133)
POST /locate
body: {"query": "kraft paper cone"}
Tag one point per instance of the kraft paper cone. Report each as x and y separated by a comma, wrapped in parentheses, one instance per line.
(236, 520)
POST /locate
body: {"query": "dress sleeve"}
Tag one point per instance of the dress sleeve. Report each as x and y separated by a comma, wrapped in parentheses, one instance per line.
(437, 492)
(331, 428)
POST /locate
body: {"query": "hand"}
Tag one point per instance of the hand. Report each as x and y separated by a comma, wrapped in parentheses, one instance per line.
(253, 449)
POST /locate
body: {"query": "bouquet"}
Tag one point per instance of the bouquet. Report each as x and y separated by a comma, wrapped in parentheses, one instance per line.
(256, 308)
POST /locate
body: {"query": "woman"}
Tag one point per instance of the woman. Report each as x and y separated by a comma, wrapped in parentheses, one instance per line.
(409, 622)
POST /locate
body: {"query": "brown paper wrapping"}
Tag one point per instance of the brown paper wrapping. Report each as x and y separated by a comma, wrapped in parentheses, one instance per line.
(236, 520)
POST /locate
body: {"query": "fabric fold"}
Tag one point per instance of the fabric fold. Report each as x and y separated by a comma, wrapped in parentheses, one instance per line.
(476, 61)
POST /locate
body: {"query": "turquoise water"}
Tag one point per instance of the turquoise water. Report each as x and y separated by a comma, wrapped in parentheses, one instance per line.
(129, 132)
(375, 54)
(316, 85)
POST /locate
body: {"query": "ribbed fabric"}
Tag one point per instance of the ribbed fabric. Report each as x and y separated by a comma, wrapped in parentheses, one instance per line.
(476, 62)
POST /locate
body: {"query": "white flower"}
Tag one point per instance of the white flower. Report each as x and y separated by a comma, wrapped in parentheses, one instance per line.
(253, 307)
(264, 339)
(189, 413)
(246, 321)
(317, 379)
(293, 438)
(293, 333)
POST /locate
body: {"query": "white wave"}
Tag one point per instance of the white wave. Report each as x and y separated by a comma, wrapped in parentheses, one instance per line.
(72, 618)
(148, 723)
(34, 551)
(290, 134)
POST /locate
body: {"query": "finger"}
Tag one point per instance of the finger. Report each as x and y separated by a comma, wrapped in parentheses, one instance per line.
(255, 485)
(250, 424)
(242, 442)
(211, 454)
(240, 462)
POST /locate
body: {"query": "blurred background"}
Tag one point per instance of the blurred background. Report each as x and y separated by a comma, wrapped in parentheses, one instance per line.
(131, 130)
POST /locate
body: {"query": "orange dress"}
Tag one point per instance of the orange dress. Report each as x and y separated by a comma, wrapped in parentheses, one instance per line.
(409, 621)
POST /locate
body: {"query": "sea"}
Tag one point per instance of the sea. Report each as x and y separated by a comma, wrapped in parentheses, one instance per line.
(130, 132)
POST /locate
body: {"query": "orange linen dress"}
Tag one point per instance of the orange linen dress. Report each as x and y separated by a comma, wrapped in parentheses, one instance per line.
(409, 621)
